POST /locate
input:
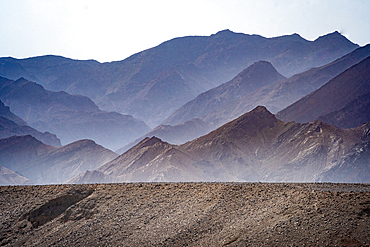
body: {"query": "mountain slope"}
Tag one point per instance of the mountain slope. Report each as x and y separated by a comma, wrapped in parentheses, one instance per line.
(280, 94)
(45, 164)
(255, 76)
(333, 96)
(177, 134)
(353, 114)
(186, 65)
(8, 177)
(11, 125)
(255, 147)
(71, 117)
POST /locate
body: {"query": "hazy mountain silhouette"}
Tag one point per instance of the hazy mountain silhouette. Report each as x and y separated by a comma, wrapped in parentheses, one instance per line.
(255, 147)
(70, 117)
(152, 84)
(8, 177)
(44, 164)
(353, 114)
(257, 75)
(11, 124)
(342, 90)
(275, 96)
(177, 134)
(280, 94)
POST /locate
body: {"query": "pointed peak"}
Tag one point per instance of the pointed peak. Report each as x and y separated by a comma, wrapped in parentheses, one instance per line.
(261, 108)
(258, 117)
(261, 64)
(149, 141)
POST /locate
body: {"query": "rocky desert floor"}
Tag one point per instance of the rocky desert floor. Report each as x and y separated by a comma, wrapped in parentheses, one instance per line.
(186, 214)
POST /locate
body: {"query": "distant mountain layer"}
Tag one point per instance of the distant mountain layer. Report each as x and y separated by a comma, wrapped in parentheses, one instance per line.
(255, 147)
(6, 113)
(70, 117)
(275, 96)
(353, 114)
(280, 94)
(11, 125)
(45, 164)
(177, 134)
(8, 177)
(257, 75)
(345, 90)
(152, 84)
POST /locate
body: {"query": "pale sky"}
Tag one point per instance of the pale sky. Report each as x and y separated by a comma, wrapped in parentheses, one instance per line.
(113, 30)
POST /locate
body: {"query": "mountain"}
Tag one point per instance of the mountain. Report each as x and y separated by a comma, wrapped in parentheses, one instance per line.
(44, 164)
(257, 75)
(333, 96)
(8, 177)
(11, 125)
(353, 114)
(152, 84)
(354, 166)
(275, 96)
(280, 94)
(6, 113)
(254, 147)
(177, 134)
(70, 117)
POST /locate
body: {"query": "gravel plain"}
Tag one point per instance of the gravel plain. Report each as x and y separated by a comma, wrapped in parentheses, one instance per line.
(186, 214)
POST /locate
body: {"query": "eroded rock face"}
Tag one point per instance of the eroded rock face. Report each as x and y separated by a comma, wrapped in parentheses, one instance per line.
(179, 214)
(254, 147)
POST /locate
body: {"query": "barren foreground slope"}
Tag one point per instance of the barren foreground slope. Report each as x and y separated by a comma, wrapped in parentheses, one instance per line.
(182, 214)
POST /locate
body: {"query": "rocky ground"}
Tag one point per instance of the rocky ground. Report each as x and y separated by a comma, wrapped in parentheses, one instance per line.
(186, 214)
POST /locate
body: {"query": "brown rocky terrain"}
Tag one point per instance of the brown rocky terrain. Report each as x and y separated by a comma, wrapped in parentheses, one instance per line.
(254, 147)
(186, 214)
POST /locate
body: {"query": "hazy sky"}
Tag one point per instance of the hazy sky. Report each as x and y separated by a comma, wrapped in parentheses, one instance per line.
(113, 30)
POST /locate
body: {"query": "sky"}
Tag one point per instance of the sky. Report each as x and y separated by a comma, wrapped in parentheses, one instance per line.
(113, 30)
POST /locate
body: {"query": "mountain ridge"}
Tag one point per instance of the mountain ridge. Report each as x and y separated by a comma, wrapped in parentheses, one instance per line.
(44, 164)
(343, 89)
(202, 62)
(254, 147)
(70, 117)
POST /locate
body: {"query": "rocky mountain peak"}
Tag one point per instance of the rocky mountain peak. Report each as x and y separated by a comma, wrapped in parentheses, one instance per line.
(150, 141)
(248, 124)
(259, 68)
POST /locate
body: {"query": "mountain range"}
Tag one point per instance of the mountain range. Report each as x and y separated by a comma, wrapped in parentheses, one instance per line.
(152, 84)
(44, 164)
(11, 125)
(335, 97)
(70, 117)
(229, 100)
(254, 147)
(212, 101)
(257, 75)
